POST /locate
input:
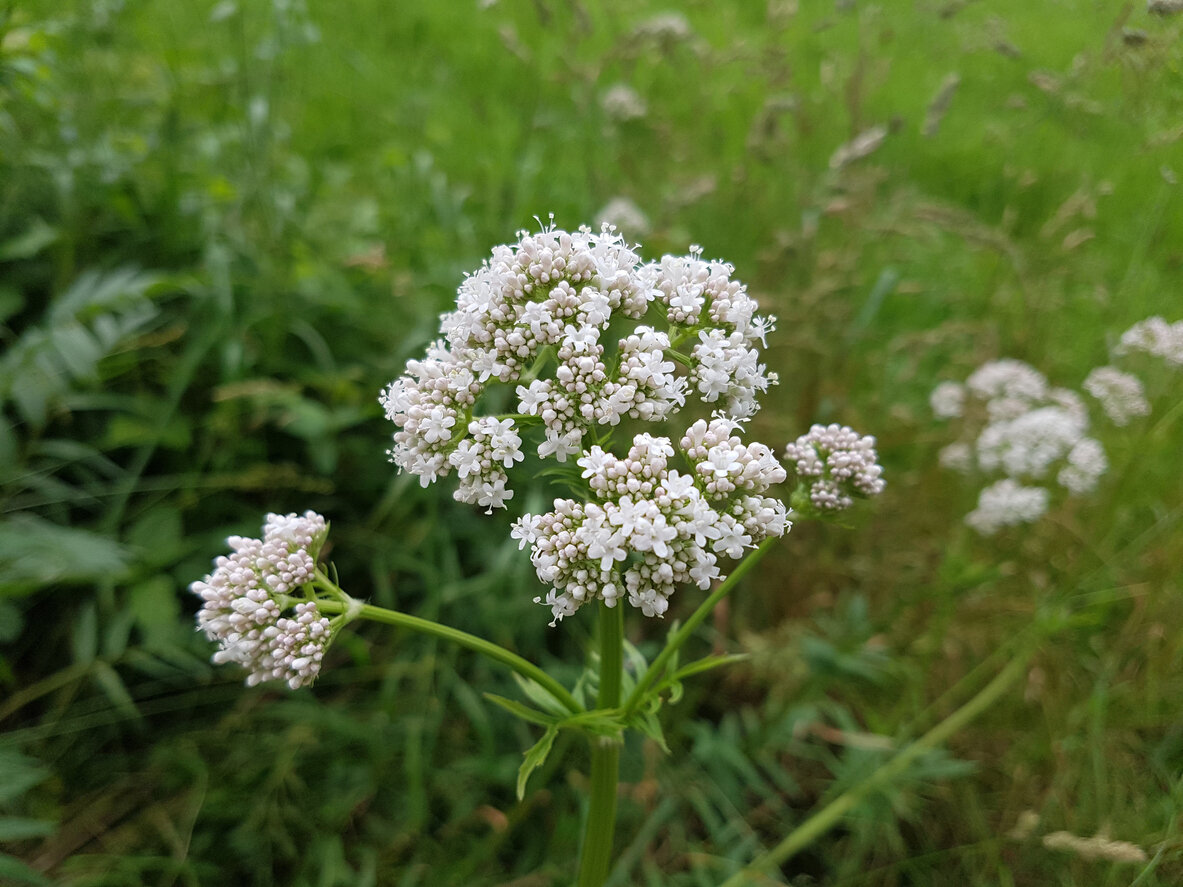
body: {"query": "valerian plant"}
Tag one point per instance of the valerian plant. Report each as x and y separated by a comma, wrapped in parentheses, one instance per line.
(594, 346)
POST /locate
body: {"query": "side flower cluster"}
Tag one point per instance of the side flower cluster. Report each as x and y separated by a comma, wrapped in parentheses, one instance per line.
(649, 527)
(834, 465)
(1120, 394)
(248, 593)
(535, 316)
(1017, 425)
(1156, 337)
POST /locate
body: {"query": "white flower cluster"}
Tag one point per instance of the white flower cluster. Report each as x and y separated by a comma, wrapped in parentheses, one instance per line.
(1008, 387)
(948, 400)
(1021, 427)
(1007, 503)
(837, 464)
(622, 103)
(546, 301)
(649, 527)
(1120, 394)
(247, 593)
(1155, 337)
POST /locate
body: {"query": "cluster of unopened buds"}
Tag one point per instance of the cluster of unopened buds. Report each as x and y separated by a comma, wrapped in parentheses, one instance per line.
(834, 465)
(246, 596)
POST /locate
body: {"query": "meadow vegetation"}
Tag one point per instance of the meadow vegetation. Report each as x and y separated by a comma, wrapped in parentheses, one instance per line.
(224, 227)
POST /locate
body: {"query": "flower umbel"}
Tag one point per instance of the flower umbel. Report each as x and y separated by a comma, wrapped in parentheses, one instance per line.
(834, 465)
(650, 527)
(1020, 427)
(535, 316)
(250, 590)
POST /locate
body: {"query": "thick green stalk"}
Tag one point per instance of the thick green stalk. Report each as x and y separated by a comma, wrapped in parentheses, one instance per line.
(829, 816)
(678, 638)
(596, 858)
(524, 667)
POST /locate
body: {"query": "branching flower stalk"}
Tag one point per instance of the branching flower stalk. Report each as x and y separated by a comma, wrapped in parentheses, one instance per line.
(551, 316)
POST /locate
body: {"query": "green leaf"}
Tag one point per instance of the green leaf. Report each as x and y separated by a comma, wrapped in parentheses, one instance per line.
(35, 553)
(11, 302)
(635, 666)
(11, 621)
(522, 711)
(158, 532)
(535, 757)
(648, 724)
(77, 350)
(29, 242)
(125, 430)
(84, 639)
(540, 697)
(18, 774)
(114, 688)
(15, 828)
(13, 871)
(157, 612)
(706, 664)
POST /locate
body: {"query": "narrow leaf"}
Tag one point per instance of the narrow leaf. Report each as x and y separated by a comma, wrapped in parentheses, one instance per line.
(535, 757)
(707, 664)
(540, 697)
(522, 711)
(648, 724)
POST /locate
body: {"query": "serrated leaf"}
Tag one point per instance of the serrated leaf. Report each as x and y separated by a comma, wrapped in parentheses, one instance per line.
(535, 758)
(636, 666)
(540, 696)
(648, 724)
(521, 711)
(77, 350)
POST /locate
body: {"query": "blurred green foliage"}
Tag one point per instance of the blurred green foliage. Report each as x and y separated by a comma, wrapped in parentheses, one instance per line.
(224, 226)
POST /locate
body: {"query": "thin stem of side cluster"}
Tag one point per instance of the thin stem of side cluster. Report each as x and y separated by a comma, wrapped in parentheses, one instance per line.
(830, 815)
(596, 858)
(678, 638)
(486, 648)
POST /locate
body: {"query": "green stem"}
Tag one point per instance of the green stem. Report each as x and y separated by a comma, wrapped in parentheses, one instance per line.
(826, 818)
(678, 638)
(596, 858)
(527, 669)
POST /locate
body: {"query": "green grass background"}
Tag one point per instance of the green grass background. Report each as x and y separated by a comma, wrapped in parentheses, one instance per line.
(223, 227)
